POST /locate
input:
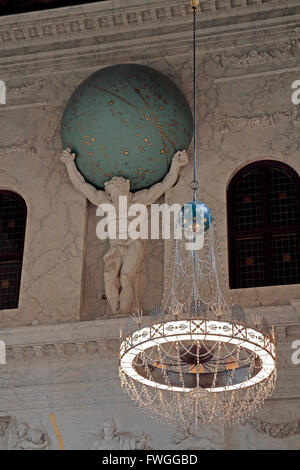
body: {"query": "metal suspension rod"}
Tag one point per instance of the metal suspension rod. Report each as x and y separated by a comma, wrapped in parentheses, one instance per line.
(195, 184)
(195, 101)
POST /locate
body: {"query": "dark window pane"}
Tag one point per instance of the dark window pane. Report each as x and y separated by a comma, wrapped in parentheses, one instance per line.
(12, 223)
(250, 262)
(12, 234)
(10, 272)
(286, 258)
(247, 202)
(282, 199)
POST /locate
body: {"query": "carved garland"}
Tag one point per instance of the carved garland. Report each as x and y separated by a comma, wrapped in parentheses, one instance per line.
(276, 430)
(27, 147)
(19, 92)
(264, 120)
(255, 57)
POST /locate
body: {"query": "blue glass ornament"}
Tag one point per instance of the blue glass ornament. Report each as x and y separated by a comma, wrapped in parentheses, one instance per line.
(188, 216)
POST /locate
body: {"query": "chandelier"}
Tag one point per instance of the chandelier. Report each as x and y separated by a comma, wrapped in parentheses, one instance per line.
(197, 359)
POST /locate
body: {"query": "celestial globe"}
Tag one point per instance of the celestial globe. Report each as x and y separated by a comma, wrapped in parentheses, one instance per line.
(126, 120)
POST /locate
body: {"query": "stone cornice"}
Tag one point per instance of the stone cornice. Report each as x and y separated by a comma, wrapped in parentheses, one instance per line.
(58, 348)
(63, 341)
(87, 330)
(101, 337)
(117, 14)
(63, 350)
(38, 39)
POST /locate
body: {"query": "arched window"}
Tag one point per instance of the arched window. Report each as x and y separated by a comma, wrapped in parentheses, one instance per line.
(263, 204)
(13, 214)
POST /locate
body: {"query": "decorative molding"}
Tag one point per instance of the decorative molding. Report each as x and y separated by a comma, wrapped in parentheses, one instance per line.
(28, 147)
(18, 435)
(63, 350)
(50, 127)
(40, 104)
(76, 21)
(281, 334)
(78, 339)
(93, 35)
(295, 304)
(259, 121)
(255, 57)
(4, 422)
(17, 98)
(79, 22)
(111, 438)
(188, 439)
(28, 88)
(4, 427)
(276, 430)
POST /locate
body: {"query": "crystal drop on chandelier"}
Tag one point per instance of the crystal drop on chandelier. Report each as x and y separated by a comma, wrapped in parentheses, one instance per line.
(195, 360)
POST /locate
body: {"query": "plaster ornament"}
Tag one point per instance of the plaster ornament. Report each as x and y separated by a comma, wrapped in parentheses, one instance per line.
(255, 57)
(4, 427)
(105, 20)
(23, 437)
(123, 262)
(28, 88)
(28, 147)
(259, 121)
(276, 430)
(111, 439)
(208, 438)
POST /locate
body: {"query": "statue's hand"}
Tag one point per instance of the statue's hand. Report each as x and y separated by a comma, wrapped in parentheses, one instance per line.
(67, 156)
(180, 158)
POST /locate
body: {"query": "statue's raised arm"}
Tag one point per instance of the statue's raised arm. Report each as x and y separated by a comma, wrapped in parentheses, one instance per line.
(151, 195)
(94, 195)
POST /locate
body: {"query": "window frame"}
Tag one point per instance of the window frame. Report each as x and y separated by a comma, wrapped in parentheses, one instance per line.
(265, 232)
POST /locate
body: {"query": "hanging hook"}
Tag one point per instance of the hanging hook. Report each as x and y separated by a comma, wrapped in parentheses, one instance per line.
(195, 186)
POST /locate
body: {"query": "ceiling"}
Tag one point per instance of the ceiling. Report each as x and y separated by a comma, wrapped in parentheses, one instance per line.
(9, 7)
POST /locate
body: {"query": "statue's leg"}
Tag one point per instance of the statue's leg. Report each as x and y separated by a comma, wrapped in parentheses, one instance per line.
(139, 286)
(112, 265)
(129, 276)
